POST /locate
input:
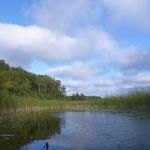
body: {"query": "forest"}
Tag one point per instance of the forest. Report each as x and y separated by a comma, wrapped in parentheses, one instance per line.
(18, 82)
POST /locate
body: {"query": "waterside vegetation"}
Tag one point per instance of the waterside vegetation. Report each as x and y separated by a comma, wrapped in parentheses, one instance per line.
(132, 102)
(21, 91)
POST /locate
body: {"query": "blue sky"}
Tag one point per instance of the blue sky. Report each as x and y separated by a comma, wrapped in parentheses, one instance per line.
(98, 47)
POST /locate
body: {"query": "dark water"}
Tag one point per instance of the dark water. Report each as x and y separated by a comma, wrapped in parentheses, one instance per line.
(76, 131)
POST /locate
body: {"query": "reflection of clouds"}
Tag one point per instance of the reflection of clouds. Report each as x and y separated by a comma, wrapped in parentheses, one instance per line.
(93, 131)
(36, 145)
(96, 131)
(78, 133)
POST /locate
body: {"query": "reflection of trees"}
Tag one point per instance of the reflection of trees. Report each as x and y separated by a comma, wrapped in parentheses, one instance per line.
(28, 129)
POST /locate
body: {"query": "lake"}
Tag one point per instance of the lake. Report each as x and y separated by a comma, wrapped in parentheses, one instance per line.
(76, 131)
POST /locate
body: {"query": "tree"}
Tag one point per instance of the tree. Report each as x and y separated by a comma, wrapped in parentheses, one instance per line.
(19, 82)
(78, 96)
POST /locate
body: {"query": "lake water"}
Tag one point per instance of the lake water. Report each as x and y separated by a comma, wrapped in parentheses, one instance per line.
(76, 131)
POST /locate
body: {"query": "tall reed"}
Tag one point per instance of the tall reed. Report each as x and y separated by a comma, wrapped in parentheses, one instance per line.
(135, 101)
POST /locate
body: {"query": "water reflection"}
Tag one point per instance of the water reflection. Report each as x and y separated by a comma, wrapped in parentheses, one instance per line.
(77, 131)
(28, 129)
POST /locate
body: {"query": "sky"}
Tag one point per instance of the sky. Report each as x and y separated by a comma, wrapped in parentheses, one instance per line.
(95, 47)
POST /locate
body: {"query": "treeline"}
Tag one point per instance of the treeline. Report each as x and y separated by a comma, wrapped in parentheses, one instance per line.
(81, 96)
(19, 82)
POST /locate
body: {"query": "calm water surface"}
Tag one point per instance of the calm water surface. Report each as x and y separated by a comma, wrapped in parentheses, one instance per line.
(76, 131)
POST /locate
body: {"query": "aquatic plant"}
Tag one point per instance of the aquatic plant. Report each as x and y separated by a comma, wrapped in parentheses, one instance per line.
(139, 101)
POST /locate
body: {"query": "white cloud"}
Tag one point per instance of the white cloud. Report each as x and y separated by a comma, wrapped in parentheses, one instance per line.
(127, 81)
(76, 70)
(118, 83)
(50, 46)
(65, 15)
(70, 34)
(134, 13)
(19, 43)
(38, 42)
(88, 87)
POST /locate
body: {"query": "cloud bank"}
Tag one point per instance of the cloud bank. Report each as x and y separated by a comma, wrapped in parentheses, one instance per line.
(74, 35)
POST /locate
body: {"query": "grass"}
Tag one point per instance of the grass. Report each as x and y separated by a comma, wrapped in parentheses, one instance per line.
(135, 101)
(139, 101)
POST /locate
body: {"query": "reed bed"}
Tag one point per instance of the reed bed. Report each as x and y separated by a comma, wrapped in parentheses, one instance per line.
(135, 101)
